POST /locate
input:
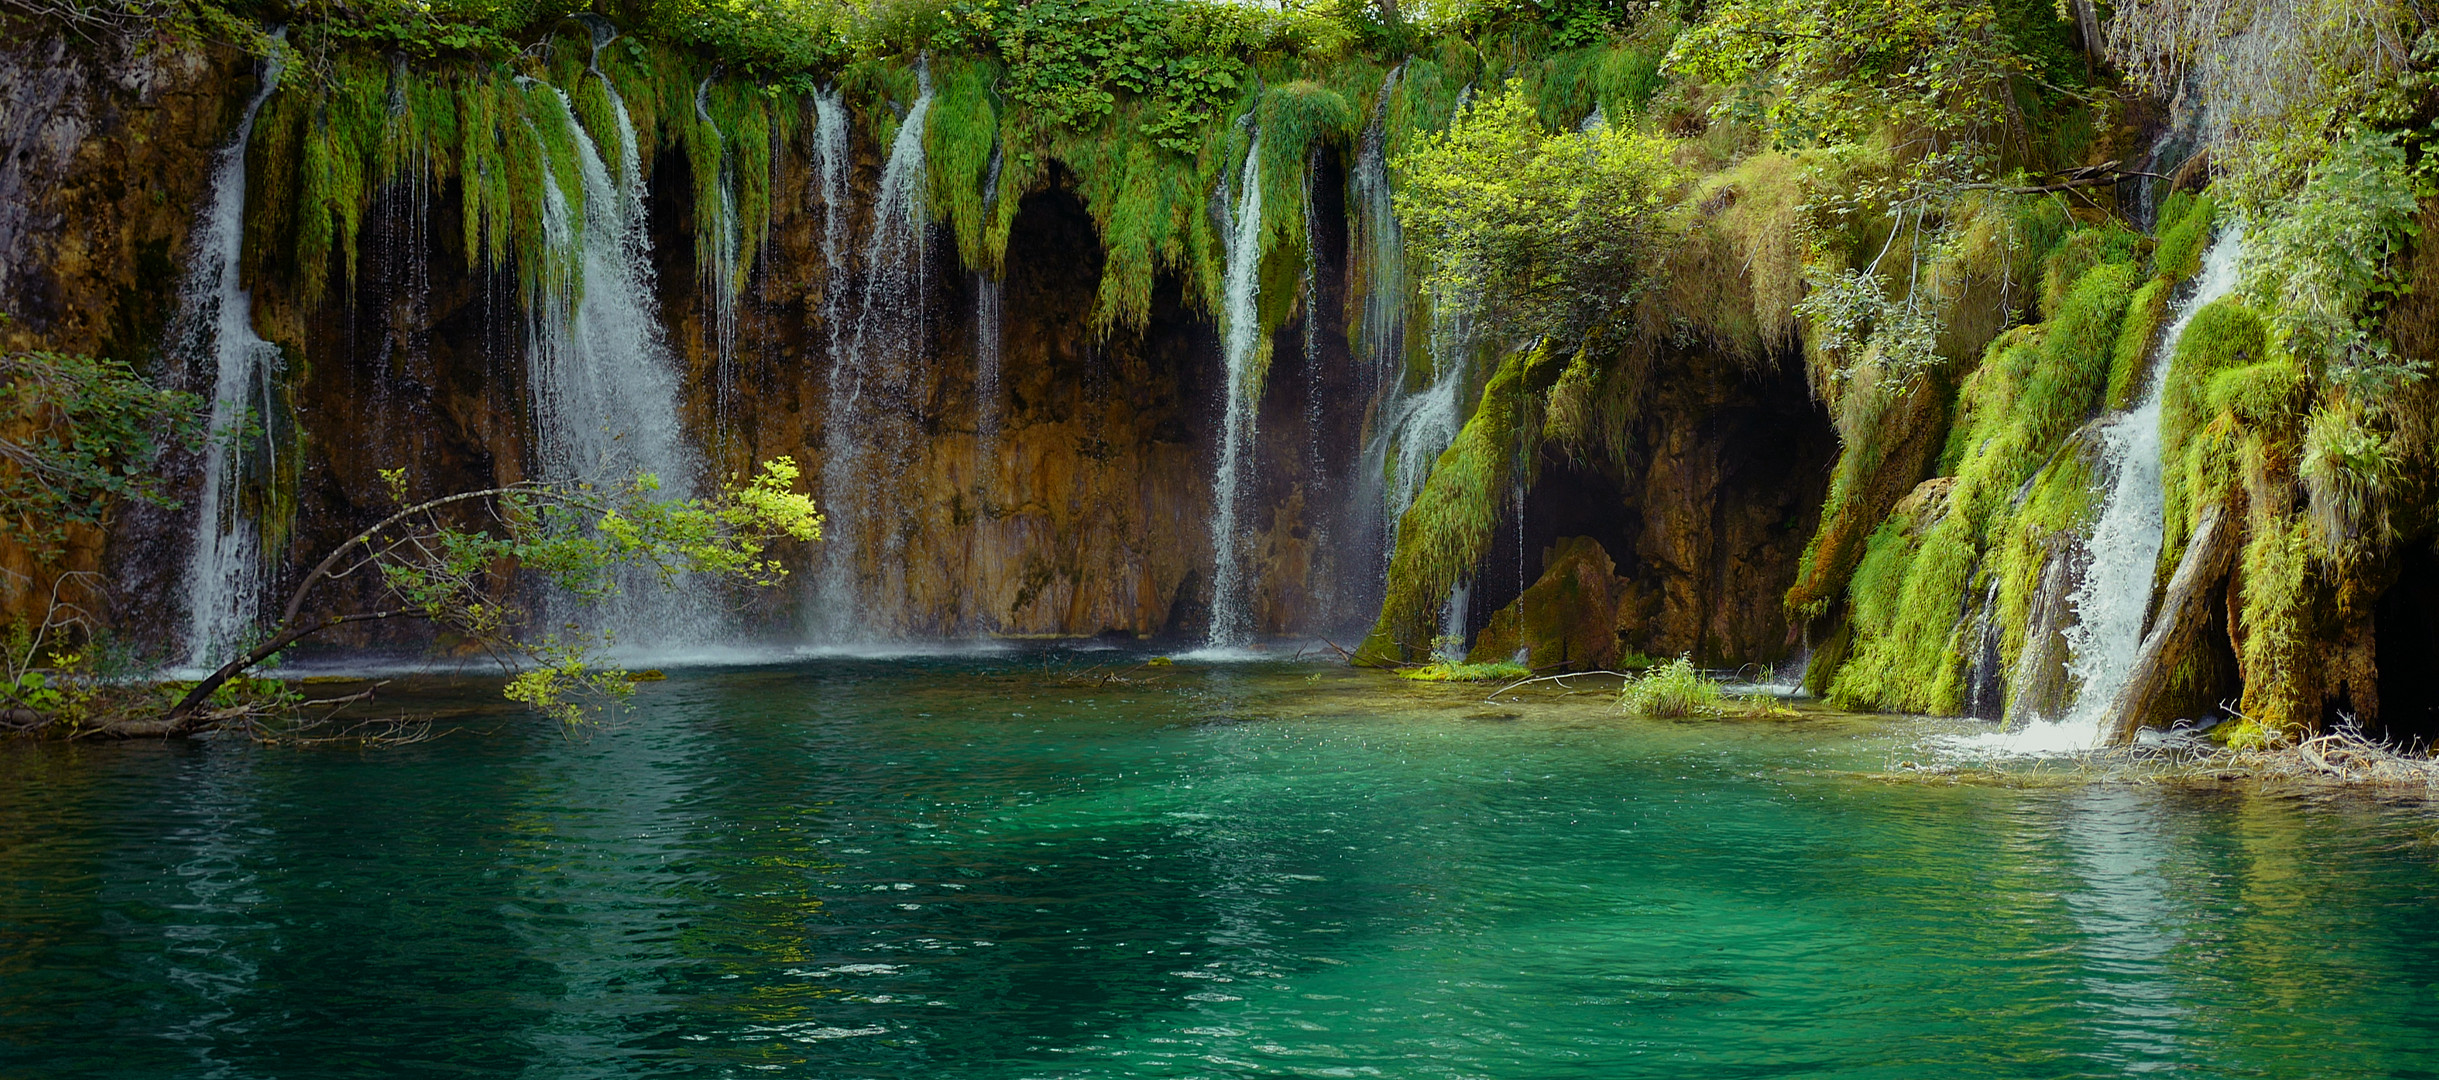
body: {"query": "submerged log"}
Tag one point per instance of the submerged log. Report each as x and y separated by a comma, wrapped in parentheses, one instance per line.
(2182, 614)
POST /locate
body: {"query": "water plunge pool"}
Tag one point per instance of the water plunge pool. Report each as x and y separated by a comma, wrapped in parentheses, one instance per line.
(979, 867)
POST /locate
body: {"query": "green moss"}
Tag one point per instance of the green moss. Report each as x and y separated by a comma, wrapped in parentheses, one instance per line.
(957, 142)
(1448, 530)
(2267, 396)
(2137, 340)
(2274, 629)
(1467, 671)
(1919, 575)
(1674, 690)
(2077, 254)
(2183, 236)
(2222, 337)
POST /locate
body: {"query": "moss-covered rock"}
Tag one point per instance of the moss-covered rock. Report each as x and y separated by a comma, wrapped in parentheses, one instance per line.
(1567, 621)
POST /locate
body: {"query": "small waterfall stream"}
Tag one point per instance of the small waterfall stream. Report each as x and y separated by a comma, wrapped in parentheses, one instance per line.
(2109, 602)
(829, 186)
(603, 381)
(1380, 253)
(2115, 594)
(214, 331)
(1413, 426)
(873, 421)
(1240, 333)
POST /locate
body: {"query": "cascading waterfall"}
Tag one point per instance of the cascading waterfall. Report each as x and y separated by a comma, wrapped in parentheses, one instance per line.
(1414, 426)
(873, 420)
(1380, 253)
(1240, 333)
(725, 279)
(605, 387)
(830, 187)
(2115, 593)
(215, 329)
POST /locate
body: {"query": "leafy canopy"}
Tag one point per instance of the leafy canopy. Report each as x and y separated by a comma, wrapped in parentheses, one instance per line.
(1543, 234)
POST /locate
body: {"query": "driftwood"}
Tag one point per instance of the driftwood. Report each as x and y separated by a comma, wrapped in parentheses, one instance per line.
(2182, 614)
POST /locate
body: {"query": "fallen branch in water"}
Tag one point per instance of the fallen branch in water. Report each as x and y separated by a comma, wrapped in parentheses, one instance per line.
(1550, 678)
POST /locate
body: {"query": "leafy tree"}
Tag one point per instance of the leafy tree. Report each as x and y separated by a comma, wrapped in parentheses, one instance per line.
(1542, 234)
(78, 434)
(451, 561)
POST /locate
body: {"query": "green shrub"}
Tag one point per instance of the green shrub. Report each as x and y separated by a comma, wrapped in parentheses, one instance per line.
(1671, 690)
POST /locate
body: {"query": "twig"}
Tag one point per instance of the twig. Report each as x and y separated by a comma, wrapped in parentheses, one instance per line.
(1548, 678)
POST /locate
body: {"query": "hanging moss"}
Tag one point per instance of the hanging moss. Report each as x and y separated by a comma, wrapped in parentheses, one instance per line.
(957, 141)
(2130, 360)
(2077, 254)
(2274, 634)
(2222, 337)
(1447, 531)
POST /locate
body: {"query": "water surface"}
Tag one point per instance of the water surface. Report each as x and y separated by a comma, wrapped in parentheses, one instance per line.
(973, 867)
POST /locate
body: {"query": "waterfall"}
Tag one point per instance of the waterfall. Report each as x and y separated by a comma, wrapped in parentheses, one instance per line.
(1240, 330)
(215, 329)
(990, 317)
(2112, 596)
(603, 383)
(1412, 426)
(1380, 259)
(1454, 613)
(2115, 593)
(990, 332)
(726, 280)
(873, 423)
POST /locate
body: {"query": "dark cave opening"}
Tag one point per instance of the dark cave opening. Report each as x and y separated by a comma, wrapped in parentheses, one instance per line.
(2406, 647)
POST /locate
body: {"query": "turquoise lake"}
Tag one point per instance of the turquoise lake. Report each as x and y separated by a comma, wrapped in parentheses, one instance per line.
(980, 867)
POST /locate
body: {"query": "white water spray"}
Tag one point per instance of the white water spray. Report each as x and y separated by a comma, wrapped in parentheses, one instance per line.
(214, 330)
(2125, 546)
(1240, 333)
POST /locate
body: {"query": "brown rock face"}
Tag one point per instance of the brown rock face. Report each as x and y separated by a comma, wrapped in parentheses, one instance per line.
(104, 154)
(1706, 513)
(1072, 495)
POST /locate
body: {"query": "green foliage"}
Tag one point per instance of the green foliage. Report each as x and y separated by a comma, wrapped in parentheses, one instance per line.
(1674, 690)
(1826, 72)
(1544, 235)
(2034, 388)
(2327, 263)
(580, 539)
(2185, 227)
(2137, 340)
(78, 434)
(2283, 81)
(1068, 60)
(2222, 337)
(2348, 470)
(1464, 671)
